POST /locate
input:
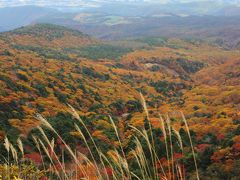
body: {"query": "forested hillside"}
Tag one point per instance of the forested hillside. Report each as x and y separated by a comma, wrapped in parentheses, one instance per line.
(44, 68)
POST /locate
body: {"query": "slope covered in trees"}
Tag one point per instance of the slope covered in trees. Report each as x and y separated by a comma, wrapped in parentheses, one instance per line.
(45, 67)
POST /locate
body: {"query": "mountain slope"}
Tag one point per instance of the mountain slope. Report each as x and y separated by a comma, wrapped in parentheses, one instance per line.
(68, 75)
(44, 73)
(43, 79)
(47, 35)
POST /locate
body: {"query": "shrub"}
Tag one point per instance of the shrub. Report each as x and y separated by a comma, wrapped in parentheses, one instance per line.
(101, 51)
(41, 90)
(190, 66)
(44, 52)
(22, 77)
(61, 97)
(90, 72)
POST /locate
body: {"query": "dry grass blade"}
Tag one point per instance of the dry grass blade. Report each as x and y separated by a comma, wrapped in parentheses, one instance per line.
(151, 150)
(89, 149)
(145, 155)
(171, 144)
(7, 144)
(50, 158)
(121, 146)
(39, 149)
(76, 116)
(179, 171)
(44, 121)
(142, 159)
(51, 145)
(190, 139)
(14, 153)
(20, 146)
(144, 105)
(178, 137)
(109, 163)
(154, 160)
(163, 127)
(135, 154)
(48, 125)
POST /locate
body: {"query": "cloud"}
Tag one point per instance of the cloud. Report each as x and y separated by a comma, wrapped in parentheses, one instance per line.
(4, 3)
(44, 2)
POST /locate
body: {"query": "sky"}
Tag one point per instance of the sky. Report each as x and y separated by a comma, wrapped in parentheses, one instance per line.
(6, 3)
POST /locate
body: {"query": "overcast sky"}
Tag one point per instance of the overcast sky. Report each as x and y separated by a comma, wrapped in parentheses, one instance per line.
(5, 3)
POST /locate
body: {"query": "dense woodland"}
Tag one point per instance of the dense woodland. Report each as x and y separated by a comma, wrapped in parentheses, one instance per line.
(44, 68)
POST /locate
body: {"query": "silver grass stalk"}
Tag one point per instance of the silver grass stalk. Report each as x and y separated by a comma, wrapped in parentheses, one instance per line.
(189, 135)
(7, 144)
(178, 137)
(20, 146)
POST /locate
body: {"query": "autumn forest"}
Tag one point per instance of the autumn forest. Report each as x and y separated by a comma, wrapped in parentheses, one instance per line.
(73, 106)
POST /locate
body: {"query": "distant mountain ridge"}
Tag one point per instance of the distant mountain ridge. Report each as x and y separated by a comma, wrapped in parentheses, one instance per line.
(213, 20)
